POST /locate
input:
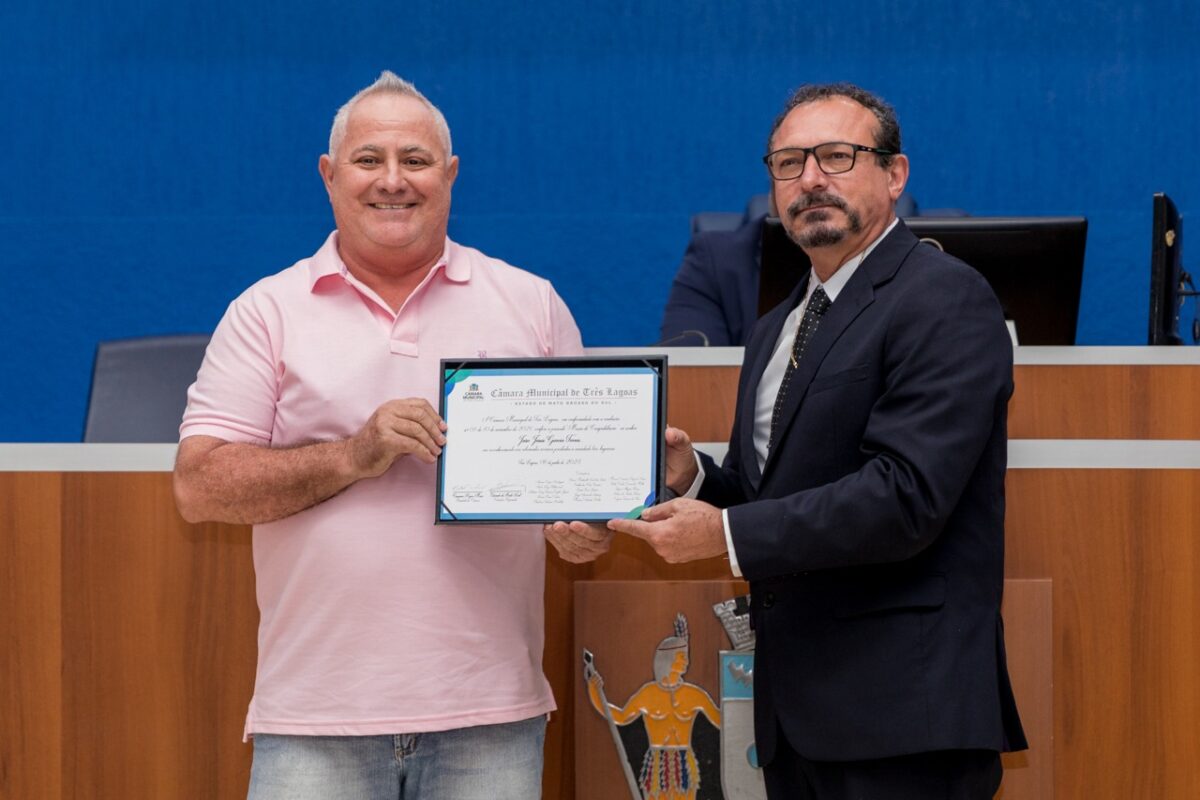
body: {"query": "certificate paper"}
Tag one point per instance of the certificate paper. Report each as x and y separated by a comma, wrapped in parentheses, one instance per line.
(541, 440)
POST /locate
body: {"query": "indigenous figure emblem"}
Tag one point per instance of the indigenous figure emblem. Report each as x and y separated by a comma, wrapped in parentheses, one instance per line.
(669, 708)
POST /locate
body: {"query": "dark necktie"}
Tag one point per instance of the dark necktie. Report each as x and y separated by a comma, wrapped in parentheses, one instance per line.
(818, 304)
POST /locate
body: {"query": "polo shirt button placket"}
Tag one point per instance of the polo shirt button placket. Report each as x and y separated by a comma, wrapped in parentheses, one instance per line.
(406, 329)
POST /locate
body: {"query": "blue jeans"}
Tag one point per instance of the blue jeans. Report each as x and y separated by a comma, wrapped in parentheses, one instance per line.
(488, 762)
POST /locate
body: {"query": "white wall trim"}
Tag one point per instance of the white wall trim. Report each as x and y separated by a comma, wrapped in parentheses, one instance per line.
(1036, 356)
(1077, 453)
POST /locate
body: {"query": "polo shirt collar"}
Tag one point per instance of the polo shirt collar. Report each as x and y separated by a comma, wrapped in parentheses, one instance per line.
(326, 263)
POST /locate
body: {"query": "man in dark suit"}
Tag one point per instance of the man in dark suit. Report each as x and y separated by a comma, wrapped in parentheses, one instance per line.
(863, 490)
(714, 297)
(729, 276)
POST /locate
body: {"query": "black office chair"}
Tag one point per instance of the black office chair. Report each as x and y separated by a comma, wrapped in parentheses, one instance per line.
(139, 387)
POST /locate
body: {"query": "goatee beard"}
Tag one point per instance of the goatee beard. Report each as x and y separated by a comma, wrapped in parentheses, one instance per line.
(824, 234)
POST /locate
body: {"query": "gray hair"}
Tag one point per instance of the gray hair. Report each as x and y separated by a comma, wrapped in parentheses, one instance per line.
(388, 82)
(886, 138)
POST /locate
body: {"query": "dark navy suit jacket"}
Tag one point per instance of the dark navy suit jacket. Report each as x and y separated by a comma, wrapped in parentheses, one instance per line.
(716, 288)
(873, 538)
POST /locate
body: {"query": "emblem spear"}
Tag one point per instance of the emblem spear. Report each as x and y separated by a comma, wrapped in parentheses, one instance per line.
(589, 671)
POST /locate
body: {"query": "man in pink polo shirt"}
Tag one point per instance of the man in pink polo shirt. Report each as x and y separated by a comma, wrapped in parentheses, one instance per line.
(394, 659)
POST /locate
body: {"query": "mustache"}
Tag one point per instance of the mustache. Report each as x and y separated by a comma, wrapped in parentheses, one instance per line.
(815, 199)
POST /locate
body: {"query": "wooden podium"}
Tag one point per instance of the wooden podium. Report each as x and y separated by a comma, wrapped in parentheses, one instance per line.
(127, 637)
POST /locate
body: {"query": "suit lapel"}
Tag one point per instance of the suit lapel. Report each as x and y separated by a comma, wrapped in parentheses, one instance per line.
(773, 325)
(858, 293)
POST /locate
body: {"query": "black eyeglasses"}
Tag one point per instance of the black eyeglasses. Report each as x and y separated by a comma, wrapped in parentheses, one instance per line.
(833, 158)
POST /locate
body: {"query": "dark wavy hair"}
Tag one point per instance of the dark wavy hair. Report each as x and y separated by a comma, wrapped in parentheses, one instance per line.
(887, 137)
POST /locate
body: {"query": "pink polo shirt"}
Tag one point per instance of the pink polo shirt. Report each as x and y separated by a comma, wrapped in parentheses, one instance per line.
(373, 620)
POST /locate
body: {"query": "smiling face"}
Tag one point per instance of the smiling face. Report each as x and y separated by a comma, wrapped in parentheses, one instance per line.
(389, 184)
(834, 217)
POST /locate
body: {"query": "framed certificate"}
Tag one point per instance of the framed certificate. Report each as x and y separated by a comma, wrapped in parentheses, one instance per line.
(547, 439)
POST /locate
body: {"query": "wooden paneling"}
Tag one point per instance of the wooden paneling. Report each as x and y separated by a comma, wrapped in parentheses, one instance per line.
(1029, 638)
(1123, 550)
(1104, 402)
(161, 622)
(701, 401)
(31, 644)
(128, 642)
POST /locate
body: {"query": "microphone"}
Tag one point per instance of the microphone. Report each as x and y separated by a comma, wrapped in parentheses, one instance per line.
(682, 338)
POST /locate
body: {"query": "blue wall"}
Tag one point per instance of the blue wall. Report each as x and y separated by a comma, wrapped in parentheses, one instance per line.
(162, 156)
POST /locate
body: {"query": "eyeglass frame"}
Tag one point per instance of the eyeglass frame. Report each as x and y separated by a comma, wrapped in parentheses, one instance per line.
(812, 151)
